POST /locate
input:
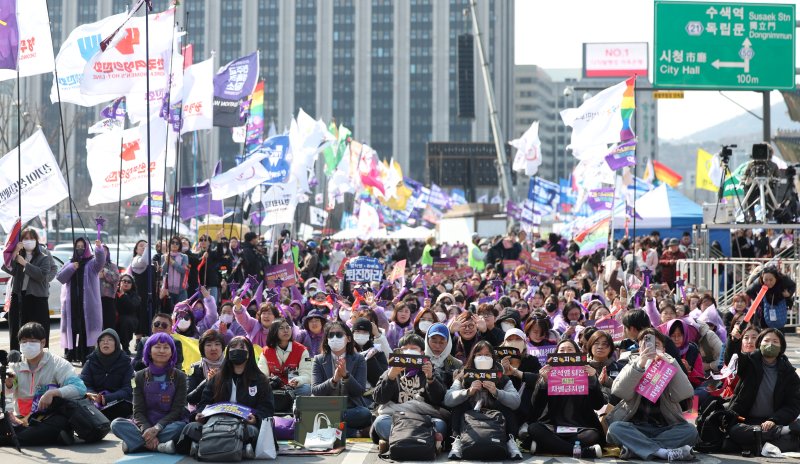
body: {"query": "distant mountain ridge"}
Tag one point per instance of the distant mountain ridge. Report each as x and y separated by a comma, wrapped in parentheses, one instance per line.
(743, 126)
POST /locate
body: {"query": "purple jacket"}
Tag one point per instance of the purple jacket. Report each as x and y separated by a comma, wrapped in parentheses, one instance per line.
(92, 307)
(234, 330)
(253, 328)
(210, 317)
(394, 333)
(312, 342)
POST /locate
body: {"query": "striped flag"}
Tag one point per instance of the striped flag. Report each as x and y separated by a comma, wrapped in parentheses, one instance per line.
(11, 244)
(666, 175)
(593, 238)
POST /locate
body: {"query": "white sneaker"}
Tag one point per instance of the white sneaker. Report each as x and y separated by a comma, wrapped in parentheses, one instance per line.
(193, 449)
(249, 452)
(597, 450)
(166, 447)
(684, 453)
(533, 448)
(455, 449)
(124, 448)
(513, 449)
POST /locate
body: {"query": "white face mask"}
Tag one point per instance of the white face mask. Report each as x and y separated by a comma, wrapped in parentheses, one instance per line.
(30, 349)
(483, 363)
(29, 244)
(226, 318)
(344, 315)
(184, 249)
(337, 344)
(184, 324)
(361, 339)
(425, 325)
(506, 326)
(448, 287)
(441, 316)
(413, 352)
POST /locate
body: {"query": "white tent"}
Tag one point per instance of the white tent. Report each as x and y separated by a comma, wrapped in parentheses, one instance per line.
(411, 233)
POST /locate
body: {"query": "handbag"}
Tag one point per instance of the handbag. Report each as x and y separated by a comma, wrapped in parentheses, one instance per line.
(266, 445)
(320, 439)
(284, 427)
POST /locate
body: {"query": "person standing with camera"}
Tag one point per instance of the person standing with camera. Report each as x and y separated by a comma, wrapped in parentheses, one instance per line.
(32, 268)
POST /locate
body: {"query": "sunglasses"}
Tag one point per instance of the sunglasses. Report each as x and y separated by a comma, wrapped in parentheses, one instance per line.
(160, 325)
(129, 282)
(333, 335)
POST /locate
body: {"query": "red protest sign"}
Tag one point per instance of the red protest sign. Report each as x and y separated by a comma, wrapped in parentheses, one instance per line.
(283, 272)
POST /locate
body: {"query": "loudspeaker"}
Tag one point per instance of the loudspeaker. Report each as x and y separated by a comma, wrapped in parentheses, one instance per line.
(466, 76)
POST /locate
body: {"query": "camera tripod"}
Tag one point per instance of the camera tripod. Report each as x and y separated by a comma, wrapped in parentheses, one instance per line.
(757, 194)
(726, 173)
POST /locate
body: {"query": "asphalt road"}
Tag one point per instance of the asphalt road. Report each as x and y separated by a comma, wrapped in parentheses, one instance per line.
(109, 451)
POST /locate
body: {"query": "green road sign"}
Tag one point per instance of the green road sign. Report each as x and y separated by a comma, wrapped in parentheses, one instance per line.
(736, 46)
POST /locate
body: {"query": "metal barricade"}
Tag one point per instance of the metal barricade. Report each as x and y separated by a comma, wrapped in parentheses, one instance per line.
(723, 279)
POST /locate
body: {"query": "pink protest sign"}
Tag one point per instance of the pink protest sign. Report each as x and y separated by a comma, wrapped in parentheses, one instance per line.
(613, 327)
(445, 266)
(567, 380)
(655, 380)
(567, 375)
(283, 272)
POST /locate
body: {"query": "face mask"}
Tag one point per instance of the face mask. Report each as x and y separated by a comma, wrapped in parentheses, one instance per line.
(425, 325)
(767, 350)
(441, 316)
(184, 249)
(483, 363)
(337, 344)
(361, 339)
(184, 324)
(344, 314)
(520, 345)
(550, 307)
(412, 352)
(29, 244)
(30, 349)
(506, 326)
(226, 318)
(448, 287)
(237, 356)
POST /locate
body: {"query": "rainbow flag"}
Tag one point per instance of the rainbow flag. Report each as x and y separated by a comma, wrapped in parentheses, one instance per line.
(626, 109)
(255, 124)
(666, 175)
(593, 238)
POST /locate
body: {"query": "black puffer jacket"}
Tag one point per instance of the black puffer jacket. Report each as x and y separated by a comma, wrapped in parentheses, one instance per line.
(786, 397)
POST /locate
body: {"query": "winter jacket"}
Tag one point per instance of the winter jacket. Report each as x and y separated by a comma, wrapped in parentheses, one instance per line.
(567, 410)
(257, 397)
(507, 395)
(624, 388)
(108, 284)
(51, 370)
(353, 387)
(116, 379)
(177, 405)
(786, 397)
(390, 390)
(40, 271)
(92, 306)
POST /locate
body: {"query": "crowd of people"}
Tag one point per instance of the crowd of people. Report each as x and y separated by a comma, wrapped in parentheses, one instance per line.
(625, 316)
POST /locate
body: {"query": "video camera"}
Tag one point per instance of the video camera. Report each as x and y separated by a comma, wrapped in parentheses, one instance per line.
(726, 153)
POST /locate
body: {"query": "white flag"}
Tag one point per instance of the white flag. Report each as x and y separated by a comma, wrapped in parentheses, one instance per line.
(83, 42)
(715, 170)
(598, 119)
(35, 44)
(279, 204)
(198, 97)
(137, 97)
(317, 216)
(42, 184)
(103, 160)
(529, 151)
(368, 221)
(238, 180)
(116, 69)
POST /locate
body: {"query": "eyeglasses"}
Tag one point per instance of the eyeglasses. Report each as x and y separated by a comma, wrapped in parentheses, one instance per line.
(160, 325)
(333, 335)
(486, 314)
(129, 282)
(468, 327)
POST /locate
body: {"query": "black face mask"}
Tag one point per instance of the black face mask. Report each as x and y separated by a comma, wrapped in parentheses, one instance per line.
(550, 307)
(237, 356)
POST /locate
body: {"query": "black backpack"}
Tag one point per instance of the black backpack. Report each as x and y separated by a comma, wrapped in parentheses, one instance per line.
(483, 436)
(222, 439)
(88, 422)
(412, 438)
(712, 426)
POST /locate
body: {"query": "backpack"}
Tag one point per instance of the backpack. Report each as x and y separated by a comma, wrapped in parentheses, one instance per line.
(712, 426)
(412, 438)
(222, 439)
(483, 436)
(88, 422)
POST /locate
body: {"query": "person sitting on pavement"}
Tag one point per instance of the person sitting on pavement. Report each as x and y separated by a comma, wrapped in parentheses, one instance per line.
(36, 383)
(226, 325)
(257, 327)
(212, 347)
(377, 364)
(107, 375)
(159, 400)
(162, 323)
(644, 429)
(284, 361)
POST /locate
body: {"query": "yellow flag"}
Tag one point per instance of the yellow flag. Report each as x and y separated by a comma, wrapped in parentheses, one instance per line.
(702, 178)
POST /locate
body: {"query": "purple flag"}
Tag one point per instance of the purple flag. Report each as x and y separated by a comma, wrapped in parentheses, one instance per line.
(600, 199)
(196, 201)
(156, 204)
(115, 110)
(9, 34)
(631, 212)
(232, 87)
(623, 154)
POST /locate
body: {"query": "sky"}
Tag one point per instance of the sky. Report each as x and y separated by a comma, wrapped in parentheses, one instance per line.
(561, 27)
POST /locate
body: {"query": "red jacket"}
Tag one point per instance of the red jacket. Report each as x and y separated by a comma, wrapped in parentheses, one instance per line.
(292, 362)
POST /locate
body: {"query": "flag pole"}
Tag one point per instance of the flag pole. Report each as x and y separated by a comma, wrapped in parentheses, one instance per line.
(611, 224)
(119, 200)
(149, 186)
(19, 150)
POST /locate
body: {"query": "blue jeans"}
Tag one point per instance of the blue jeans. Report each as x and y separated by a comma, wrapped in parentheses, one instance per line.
(644, 440)
(383, 426)
(214, 291)
(302, 390)
(356, 418)
(175, 298)
(127, 431)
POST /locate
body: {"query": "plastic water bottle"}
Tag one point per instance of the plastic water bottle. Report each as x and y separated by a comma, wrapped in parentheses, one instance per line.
(576, 450)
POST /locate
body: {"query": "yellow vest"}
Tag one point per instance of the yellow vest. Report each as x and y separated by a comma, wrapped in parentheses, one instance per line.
(477, 264)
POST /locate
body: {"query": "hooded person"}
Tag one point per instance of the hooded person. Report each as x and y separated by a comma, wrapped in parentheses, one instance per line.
(684, 336)
(107, 375)
(438, 345)
(508, 319)
(313, 332)
(81, 308)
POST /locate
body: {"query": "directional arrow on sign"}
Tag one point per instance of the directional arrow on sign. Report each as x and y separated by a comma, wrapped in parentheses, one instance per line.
(745, 53)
